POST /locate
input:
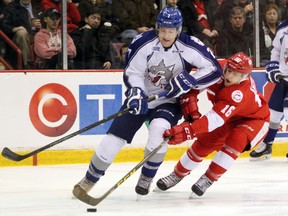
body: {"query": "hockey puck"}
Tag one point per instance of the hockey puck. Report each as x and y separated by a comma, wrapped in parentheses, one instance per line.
(91, 209)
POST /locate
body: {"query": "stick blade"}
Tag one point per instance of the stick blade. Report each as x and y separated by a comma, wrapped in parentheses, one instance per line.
(7, 153)
(80, 194)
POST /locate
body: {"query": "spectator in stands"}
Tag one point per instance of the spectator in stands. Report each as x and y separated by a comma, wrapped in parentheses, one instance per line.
(171, 3)
(135, 15)
(225, 8)
(3, 4)
(123, 51)
(234, 37)
(73, 15)
(92, 43)
(107, 15)
(48, 44)
(19, 22)
(271, 18)
(281, 4)
(219, 2)
(198, 19)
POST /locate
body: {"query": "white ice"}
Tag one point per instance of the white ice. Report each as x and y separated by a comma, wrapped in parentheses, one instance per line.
(248, 188)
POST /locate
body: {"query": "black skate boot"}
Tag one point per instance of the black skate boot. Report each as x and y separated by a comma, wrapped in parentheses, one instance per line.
(143, 185)
(169, 181)
(263, 152)
(201, 186)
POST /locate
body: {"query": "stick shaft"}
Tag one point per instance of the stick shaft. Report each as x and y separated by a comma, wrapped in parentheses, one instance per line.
(9, 154)
(84, 197)
(283, 76)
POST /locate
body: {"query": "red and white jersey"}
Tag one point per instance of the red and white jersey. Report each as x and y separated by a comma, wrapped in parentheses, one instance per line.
(231, 104)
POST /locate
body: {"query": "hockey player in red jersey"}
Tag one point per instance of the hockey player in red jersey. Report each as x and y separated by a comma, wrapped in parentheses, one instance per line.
(237, 122)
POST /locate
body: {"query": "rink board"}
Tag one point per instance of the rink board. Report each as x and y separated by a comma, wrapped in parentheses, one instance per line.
(39, 107)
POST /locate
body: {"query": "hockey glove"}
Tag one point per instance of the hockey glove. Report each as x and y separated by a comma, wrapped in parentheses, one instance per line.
(179, 133)
(136, 101)
(180, 84)
(272, 71)
(189, 106)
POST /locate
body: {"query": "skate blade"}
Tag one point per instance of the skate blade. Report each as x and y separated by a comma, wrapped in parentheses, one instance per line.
(156, 189)
(193, 196)
(138, 197)
(261, 158)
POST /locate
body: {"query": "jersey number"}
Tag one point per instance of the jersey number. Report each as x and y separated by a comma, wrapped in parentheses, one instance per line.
(227, 110)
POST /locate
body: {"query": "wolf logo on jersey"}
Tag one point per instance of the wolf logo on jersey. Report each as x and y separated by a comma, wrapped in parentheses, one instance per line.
(160, 74)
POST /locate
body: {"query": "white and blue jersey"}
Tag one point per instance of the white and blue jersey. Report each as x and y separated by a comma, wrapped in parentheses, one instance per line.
(279, 53)
(150, 66)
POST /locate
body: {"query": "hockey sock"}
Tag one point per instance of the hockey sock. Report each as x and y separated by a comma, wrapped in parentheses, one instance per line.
(156, 129)
(188, 162)
(150, 169)
(221, 162)
(270, 135)
(103, 156)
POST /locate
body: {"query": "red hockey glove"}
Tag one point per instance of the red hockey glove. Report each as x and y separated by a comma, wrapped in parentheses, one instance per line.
(189, 106)
(179, 133)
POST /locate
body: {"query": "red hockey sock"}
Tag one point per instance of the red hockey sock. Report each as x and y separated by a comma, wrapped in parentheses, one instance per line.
(222, 161)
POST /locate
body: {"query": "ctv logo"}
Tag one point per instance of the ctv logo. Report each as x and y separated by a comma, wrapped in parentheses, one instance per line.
(53, 108)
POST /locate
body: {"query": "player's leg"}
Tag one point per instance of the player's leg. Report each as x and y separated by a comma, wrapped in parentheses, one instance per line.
(276, 104)
(101, 160)
(241, 138)
(162, 118)
(187, 163)
(205, 144)
(121, 131)
(156, 129)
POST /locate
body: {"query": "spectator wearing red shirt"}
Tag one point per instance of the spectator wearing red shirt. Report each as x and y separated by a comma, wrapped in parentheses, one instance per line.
(198, 19)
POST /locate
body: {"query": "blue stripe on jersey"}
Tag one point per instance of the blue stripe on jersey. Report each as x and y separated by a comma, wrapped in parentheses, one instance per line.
(205, 52)
(282, 25)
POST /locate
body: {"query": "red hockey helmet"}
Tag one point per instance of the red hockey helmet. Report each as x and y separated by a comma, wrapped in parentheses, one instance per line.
(240, 63)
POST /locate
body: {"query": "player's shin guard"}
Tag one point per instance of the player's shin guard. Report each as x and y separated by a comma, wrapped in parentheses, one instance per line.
(156, 129)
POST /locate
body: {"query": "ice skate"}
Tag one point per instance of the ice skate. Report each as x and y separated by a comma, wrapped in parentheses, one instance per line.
(82, 188)
(143, 186)
(169, 181)
(200, 186)
(263, 152)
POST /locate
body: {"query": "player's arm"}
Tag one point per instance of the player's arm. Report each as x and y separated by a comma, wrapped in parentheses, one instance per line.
(189, 106)
(272, 67)
(215, 118)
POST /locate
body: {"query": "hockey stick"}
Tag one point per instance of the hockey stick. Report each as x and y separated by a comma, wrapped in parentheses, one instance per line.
(9, 154)
(283, 76)
(80, 194)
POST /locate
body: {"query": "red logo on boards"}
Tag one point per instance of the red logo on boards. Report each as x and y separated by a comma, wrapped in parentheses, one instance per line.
(53, 109)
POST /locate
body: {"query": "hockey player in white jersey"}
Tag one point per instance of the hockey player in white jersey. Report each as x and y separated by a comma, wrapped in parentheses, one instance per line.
(276, 68)
(156, 60)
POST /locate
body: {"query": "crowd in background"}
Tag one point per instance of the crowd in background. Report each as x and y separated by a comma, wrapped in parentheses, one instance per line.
(99, 31)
